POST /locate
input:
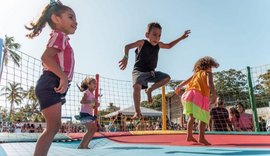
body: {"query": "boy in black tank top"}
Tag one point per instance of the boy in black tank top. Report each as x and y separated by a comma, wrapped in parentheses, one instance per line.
(146, 62)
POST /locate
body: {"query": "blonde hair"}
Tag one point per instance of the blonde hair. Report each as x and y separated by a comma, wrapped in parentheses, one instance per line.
(205, 63)
(56, 8)
(85, 83)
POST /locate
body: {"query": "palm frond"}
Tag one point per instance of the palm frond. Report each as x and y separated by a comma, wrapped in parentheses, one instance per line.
(10, 48)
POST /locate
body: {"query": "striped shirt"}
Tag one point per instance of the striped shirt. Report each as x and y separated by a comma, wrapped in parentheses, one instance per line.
(65, 56)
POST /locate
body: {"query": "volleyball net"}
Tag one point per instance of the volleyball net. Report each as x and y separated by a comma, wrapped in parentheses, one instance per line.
(18, 102)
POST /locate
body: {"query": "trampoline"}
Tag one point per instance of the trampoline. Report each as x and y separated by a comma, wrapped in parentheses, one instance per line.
(155, 144)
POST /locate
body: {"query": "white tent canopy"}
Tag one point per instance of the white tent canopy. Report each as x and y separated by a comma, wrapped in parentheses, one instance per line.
(131, 110)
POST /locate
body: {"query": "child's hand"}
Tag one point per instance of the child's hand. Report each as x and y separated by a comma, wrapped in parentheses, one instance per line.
(123, 63)
(186, 34)
(63, 85)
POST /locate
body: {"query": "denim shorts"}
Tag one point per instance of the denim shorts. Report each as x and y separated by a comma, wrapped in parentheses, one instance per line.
(143, 78)
(45, 92)
(87, 118)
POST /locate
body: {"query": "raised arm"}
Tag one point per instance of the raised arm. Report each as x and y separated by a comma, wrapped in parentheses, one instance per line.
(182, 84)
(173, 43)
(123, 62)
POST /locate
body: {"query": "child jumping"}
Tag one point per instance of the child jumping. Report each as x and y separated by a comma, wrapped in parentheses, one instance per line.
(146, 61)
(87, 118)
(195, 100)
(58, 65)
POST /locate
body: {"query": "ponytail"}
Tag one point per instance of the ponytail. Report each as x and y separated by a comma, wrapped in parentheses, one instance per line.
(56, 8)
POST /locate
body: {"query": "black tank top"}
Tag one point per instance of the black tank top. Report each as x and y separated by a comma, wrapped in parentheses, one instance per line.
(147, 58)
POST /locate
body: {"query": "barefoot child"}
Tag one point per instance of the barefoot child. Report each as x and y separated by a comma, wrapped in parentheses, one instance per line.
(87, 118)
(195, 100)
(146, 61)
(58, 65)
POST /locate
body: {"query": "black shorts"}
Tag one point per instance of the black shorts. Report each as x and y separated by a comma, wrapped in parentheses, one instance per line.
(45, 92)
(143, 78)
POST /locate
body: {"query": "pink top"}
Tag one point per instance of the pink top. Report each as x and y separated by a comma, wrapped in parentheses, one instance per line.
(87, 108)
(65, 57)
(246, 121)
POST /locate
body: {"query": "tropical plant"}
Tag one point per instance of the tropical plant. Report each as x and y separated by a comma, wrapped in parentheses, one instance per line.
(9, 52)
(3, 113)
(10, 48)
(32, 100)
(14, 94)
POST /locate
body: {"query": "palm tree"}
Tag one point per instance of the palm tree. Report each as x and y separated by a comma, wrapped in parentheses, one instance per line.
(3, 113)
(9, 52)
(32, 100)
(14, 94)
(10, 48)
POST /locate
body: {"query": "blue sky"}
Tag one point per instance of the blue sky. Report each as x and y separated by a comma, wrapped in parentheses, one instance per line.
(236, 33)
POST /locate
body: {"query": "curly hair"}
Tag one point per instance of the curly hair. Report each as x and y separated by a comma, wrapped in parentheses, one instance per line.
(205, 63)
(152, 25)
(45, 17)
(85, 83)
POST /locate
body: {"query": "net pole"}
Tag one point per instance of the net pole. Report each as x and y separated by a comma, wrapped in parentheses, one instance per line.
(164, 114)
(96, 97)
(252, 101)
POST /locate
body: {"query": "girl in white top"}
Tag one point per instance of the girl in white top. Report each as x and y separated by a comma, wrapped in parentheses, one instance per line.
(87, 118)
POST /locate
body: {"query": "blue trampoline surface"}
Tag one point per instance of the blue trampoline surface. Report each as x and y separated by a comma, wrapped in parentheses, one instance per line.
(106, 147)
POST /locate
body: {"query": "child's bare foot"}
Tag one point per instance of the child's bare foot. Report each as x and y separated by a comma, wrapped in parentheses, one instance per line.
(204, 141)
(191, 139)
(149, 95)
(137, 116)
